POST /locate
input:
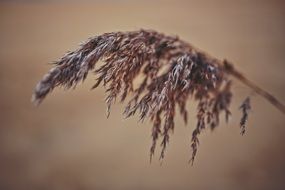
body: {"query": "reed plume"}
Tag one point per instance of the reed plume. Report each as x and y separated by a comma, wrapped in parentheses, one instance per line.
(171, 71)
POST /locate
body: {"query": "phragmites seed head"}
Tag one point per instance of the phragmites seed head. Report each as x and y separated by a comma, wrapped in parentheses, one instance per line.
(170, 70)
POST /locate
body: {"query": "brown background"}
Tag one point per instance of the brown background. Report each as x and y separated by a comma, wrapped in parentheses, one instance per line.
(67, 142)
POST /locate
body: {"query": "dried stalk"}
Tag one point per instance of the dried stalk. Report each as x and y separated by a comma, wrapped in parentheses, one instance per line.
(171, 70)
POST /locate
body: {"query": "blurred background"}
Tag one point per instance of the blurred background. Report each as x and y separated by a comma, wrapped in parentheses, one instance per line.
(68, 143)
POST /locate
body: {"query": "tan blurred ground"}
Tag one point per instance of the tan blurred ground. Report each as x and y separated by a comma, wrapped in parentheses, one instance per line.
(67, 143)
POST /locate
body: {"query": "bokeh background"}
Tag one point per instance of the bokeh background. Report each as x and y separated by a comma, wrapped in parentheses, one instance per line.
(68, 143)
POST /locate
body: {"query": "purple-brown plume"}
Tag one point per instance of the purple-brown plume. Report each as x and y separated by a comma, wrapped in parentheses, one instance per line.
(171, 71)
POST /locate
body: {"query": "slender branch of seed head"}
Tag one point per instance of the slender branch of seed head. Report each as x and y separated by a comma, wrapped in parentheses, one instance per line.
(230, 69)
(269, 97)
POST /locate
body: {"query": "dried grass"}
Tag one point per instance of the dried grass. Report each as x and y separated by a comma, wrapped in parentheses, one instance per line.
(172, 71)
